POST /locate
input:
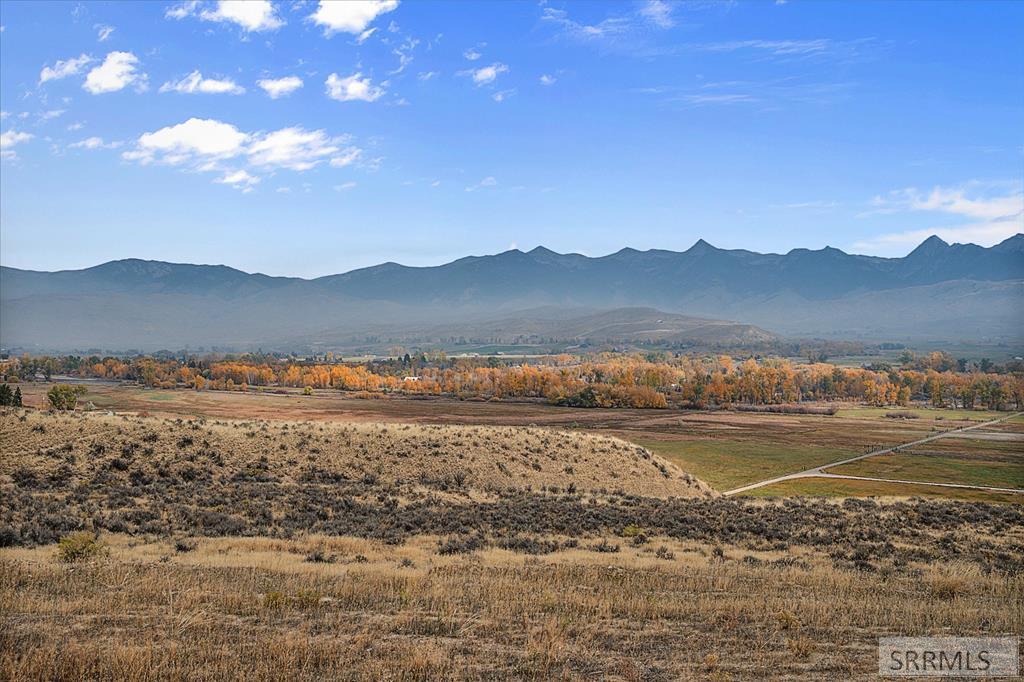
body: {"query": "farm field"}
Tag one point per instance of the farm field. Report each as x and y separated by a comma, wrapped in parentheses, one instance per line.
(990, 456)
(727, 464)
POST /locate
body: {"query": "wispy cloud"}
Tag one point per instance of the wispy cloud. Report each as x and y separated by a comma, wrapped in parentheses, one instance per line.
(489, 181)
(772, 93)
(983, 213)
(94, 143)
(64, 68)
(635, 29)
(195, 83)
(797, 49)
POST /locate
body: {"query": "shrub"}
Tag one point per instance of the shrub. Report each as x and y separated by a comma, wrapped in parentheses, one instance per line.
(80, 546)
(274, 600)
(800, 646)
(460, 545)
(318, 556)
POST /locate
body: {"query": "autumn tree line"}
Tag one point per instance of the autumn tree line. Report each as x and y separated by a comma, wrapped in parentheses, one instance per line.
(652, 380)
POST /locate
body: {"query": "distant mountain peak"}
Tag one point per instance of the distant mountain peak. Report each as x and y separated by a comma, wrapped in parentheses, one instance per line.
(929, 247)
(1014, 243)
(701, 246)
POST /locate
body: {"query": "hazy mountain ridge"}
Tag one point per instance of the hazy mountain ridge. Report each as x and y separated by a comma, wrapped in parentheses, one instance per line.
(937, 291)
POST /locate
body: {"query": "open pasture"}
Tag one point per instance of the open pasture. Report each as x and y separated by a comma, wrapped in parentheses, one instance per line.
(724, 448)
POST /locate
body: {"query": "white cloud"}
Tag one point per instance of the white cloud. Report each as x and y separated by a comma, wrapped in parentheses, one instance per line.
(207, 145)
(489, 181)
(196, 137)
(352, 88)
(486, 74)
(658, 12)
(182, 9)
(64, 68)
(545, 79)
(427, 75)
(4, 114)
(502, 95)
(250, 15)
(280, 87)
(350, 16)
(239, 179)
(94, 143)
(52, 114)
(345, 186)
(116, 72)
(293, 148)
(365, 35)
(472, 54)
(347, 157)
(77, 125)
(195, 83)
(8, 141)
(990, 212)
(103, 32)
(954, 200)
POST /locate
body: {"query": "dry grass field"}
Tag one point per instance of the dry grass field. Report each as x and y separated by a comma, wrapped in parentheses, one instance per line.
(668, 609)
(212, 548)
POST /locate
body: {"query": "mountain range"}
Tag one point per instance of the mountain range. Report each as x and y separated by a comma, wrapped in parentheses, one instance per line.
(939, 291)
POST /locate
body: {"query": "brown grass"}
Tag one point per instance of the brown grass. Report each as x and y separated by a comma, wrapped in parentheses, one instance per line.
(254, 608)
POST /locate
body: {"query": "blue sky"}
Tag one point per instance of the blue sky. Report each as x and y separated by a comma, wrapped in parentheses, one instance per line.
(307, 138)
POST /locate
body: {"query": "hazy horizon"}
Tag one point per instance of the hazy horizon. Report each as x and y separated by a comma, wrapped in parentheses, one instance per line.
(446, 262)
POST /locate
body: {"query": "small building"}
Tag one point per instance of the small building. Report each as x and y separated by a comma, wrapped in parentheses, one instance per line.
(410, 379)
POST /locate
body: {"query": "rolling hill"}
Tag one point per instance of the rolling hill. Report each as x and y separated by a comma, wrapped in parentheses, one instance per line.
(939, 291)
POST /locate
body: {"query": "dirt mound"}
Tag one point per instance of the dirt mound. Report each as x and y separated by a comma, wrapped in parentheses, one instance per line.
(98, 448)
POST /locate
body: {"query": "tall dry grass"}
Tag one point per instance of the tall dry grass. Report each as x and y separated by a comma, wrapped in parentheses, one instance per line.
(255, 609)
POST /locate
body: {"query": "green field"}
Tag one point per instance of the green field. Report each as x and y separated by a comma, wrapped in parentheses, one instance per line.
(831, 487)
(938, 469)
(728, 464)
